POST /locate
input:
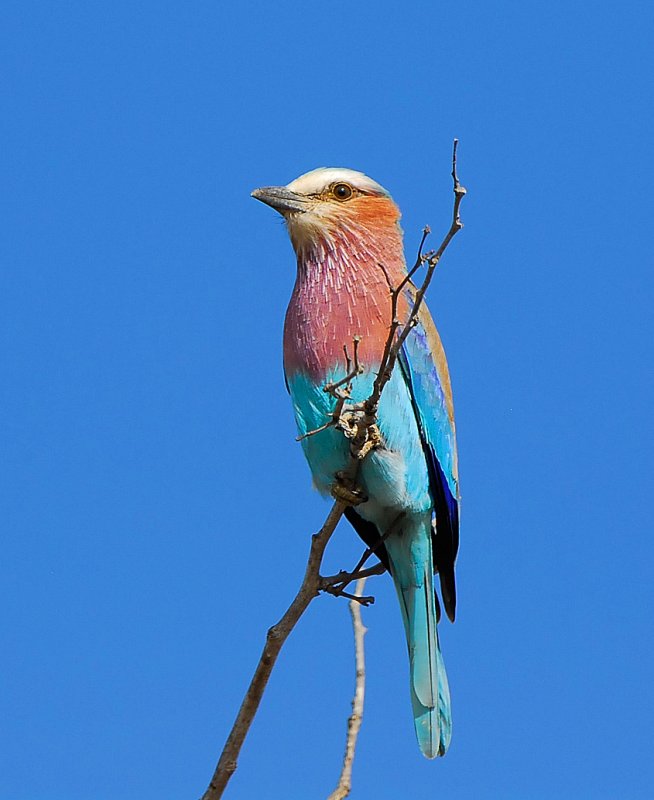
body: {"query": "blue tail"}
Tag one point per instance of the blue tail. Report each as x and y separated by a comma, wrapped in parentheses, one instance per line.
(410, 556)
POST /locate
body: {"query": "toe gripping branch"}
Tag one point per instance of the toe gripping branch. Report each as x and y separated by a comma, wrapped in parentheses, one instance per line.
(336, 584)
(346, 490)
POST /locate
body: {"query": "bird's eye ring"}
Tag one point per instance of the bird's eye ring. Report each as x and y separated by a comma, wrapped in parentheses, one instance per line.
(342, 191)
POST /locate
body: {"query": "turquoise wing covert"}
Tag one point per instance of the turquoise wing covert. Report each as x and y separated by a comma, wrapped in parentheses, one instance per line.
(423, 363)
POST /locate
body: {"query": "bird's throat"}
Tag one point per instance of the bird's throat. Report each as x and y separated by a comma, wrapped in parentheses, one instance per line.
(342, 291)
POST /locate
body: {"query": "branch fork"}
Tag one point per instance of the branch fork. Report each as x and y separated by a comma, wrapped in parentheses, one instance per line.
(340, 391)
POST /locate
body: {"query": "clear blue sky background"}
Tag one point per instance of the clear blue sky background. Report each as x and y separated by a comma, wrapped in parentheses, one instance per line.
(155, 507)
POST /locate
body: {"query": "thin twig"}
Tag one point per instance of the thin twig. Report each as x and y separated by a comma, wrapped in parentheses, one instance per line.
(393, 345)
(352, 371)
(356, 717)
(341, 395)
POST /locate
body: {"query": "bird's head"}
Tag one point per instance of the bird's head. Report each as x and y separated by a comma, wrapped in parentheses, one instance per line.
(331, 204)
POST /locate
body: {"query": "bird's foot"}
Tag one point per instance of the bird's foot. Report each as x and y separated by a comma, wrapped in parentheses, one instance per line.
(346, 490)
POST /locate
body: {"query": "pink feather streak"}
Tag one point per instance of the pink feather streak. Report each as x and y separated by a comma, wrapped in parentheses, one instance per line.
(341, 291)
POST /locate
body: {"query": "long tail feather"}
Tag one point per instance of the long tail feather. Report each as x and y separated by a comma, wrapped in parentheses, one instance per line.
(411, 567)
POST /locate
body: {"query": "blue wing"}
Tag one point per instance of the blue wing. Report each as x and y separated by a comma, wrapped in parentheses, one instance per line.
(423, 363)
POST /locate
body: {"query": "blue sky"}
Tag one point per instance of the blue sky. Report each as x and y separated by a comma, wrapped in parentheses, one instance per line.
(156, 509)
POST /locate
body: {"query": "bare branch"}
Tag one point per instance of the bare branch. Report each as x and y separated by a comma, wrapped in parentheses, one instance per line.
(358, 422)
(341, 395)
(322, 428)
(352, 371)
(275, 639)
(356, 717)
(393, 345)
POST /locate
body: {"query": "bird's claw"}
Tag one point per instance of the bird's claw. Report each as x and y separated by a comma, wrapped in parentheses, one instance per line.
(345, 490)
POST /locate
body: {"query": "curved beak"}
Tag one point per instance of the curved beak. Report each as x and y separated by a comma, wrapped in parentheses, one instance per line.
(281, 199)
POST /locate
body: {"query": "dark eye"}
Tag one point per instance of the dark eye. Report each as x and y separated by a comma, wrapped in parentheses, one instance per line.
(342, 191)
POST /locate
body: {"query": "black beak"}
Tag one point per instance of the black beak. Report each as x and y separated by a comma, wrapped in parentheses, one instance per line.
(281, 199)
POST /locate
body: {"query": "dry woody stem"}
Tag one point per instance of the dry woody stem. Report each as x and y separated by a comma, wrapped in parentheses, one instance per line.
(342, 790)
(275, 639)
(358, 422)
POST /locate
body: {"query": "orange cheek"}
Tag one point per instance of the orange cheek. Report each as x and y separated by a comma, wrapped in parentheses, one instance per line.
(371, 211)
(374, 213)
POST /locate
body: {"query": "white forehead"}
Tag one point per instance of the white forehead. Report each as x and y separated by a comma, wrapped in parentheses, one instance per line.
(318, 180)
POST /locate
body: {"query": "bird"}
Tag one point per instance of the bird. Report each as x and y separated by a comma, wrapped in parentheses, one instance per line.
(345, 230)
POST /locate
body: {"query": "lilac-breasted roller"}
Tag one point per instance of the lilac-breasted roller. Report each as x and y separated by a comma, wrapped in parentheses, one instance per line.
(346, 234)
